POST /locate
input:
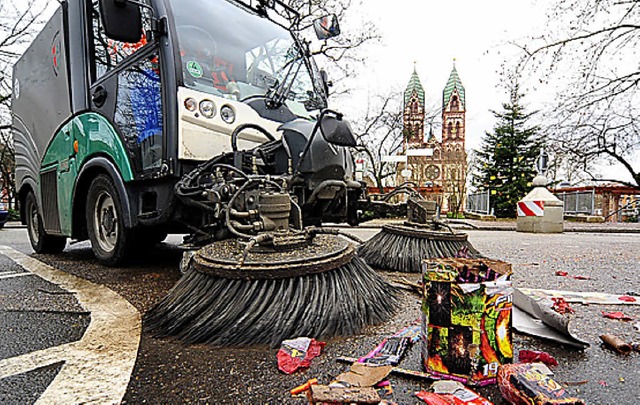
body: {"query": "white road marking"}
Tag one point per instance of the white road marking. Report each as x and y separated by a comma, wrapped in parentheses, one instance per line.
(9, 274)
(97, 368)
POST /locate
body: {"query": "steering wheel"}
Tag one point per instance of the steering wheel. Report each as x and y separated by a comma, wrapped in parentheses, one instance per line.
(198, 30)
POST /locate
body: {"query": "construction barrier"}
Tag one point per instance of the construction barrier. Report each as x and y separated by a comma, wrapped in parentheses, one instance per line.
(530, 208)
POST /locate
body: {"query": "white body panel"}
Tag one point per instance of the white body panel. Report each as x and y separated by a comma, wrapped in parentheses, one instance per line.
(201, 138)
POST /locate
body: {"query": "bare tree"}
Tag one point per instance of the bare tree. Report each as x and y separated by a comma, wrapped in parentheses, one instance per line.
(379, 134)
(592, 46)
(344, 54)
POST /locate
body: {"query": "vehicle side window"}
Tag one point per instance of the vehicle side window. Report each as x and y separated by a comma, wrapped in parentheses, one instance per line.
(138, 112)
(108, 53)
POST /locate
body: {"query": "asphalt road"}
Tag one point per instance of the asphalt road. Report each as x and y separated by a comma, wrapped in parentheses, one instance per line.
(35, 315)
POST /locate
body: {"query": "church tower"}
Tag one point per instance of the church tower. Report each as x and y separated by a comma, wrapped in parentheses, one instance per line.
(453, 111)
(413, 117)
(453, 142)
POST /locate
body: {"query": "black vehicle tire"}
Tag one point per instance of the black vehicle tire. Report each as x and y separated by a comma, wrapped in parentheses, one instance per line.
(111, 241)
(40, 241)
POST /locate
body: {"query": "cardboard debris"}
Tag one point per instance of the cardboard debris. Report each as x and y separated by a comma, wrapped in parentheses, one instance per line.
(364, 375)
(582, 297)
(395, 370)
(534, 316)
(339, 395)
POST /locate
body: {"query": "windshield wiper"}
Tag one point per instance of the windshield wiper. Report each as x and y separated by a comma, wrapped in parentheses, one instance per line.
(280, 90)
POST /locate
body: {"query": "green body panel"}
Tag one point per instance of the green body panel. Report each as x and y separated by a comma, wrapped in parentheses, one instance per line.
(95, 136)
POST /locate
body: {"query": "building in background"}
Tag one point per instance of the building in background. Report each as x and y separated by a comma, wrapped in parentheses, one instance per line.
(436, 168)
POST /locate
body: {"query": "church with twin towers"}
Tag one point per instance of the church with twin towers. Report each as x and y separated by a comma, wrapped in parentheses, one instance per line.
(435, 167)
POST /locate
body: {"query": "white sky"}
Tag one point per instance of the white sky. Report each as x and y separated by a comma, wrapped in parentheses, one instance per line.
(432, 34)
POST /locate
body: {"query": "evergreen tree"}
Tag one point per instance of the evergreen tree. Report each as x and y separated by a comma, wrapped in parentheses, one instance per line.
(507, 158)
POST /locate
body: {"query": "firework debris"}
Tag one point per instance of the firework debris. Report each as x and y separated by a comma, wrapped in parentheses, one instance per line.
(363, 375)
(320, 394)
(561, 306)
(453, 310)
(298, 353)
(391, 350)
(525, 384)
(534, 356)
(562, 273)
(304, 387)
(451, 393)
(616, 344)
(395, 370)
(533, 315)
(617, 315)
(576, 297)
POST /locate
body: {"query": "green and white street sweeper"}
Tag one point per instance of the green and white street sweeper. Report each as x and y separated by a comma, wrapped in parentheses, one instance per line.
(134, 119)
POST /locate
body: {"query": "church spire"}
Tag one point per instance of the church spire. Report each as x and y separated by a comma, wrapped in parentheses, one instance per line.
(454, 83)
(414, 86)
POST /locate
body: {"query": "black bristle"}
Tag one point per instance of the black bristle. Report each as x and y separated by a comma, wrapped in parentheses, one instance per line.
(395, 252)
(202, 308)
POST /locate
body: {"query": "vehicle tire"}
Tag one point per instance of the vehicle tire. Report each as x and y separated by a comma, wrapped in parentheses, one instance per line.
(111, 241)
(40, 241)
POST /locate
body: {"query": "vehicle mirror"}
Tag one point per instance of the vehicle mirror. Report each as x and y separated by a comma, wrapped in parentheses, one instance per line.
(327, 27)
(337, 131)
(122, 20)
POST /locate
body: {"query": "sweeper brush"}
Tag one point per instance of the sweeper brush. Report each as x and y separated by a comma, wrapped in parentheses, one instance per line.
(229, 297)
(403, 247)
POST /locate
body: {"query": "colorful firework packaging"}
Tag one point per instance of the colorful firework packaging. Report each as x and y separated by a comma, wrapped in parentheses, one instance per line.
(391, 350)
(451, 394)
(466, 319)
(524, 384)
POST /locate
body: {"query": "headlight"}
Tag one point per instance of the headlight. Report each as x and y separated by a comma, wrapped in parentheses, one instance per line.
(191, 104)
(227, 114)
(207, 108)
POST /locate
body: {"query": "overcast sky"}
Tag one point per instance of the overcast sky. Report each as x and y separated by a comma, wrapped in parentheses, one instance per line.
(432, 34)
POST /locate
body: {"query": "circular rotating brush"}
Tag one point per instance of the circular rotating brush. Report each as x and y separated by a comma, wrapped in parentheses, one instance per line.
(403, 247)
(230, 297)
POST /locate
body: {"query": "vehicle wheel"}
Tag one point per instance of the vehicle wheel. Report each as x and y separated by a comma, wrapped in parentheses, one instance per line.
(111, 242)
(40, 241)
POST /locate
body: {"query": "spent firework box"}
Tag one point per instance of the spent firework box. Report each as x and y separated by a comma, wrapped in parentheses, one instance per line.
(466, 318)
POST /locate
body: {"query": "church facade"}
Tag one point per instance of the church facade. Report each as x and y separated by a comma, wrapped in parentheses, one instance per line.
(436, 168)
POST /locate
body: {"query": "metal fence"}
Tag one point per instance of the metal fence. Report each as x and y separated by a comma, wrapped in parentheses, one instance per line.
(578, 202)
(478, 203)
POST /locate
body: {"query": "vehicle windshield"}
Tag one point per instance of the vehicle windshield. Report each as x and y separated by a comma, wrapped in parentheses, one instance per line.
(228, 51)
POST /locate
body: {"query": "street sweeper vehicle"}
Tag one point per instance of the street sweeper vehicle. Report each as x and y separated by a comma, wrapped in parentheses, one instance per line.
(134, 119)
